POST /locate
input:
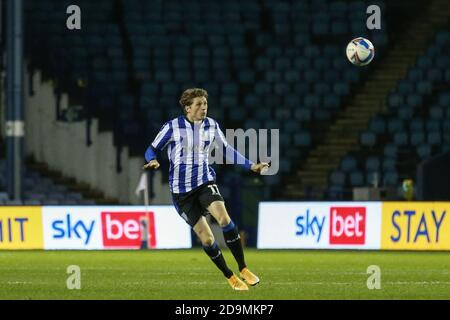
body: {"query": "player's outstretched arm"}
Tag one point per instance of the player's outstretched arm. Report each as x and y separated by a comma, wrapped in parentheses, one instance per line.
(259, 167)
(152, 164)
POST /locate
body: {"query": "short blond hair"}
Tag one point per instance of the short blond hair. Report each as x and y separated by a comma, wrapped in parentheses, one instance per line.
(189, 95)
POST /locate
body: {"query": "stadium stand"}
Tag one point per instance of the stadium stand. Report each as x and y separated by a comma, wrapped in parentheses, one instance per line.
(414, 128)
(266, 64)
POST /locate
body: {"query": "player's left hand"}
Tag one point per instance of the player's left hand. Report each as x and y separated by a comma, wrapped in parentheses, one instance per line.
(259, 167)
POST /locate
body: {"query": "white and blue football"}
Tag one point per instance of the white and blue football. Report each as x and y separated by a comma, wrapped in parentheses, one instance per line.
(360, 51)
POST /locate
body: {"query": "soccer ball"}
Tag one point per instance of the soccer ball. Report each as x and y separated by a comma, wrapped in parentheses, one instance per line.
(360, 51)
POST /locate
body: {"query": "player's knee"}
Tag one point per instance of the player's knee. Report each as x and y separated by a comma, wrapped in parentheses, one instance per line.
(224, 221)
(208, 240)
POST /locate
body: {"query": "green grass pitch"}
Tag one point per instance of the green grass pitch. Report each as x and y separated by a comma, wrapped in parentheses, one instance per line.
(188, 274)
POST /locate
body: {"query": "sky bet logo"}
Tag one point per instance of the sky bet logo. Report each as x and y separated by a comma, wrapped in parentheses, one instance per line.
(72, 229)
(347, 225)
(123, 229)
(310, 225)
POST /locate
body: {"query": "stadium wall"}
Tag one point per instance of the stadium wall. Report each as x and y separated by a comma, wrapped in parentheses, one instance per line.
(62, 145)
(354, 225)
(92, 228)
(423, 226)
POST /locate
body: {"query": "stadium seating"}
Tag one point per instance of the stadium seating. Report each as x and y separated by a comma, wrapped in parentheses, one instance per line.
(276, 63)
(40, 190)
(414, 128)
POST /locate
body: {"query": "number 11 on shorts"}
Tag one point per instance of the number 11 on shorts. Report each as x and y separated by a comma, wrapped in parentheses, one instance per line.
(214, 189)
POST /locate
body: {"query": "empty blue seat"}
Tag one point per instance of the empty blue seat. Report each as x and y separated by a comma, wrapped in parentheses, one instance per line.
(436, 112)
(401, 138)
(341, 89)
(311, 76)
(434, 138)
(368, 139)
(301, 88)
(405, 87)
(322, 88)
(414, 100)
(303, 114)
(302, 139)
(433, 125)
(283, 114)
(321, 63)
(395, 125)
(395, 100)
(312, 51)
(444, 99)
(389, 164)
(348, 163)
(424, 151)
(312, 101)
(405, 113)
(301, 63)
(372, 164)
(442, 62)
(424, 62)
(373, 178)
(415, 75)
(282, 63)
(322, 114)
(262, 113)
(229, 99)
(442, 38)
(416, 124)
(292, 76)
(447, 75)
(273, 76)
(252, 124)
(237, 114)
(417, 138)
(281, 88)
(339, 27)
(434, 75)
(285, 165)
(263, 88)
(252, 101)
(356, 179)
(331, 101)
(320, 28)
(424, 87)
(247, 77)
(339, 63)
(338, 178)
(291, 126)
(230, 88)
(390, 179)
(377, 125)
(336, 192)
(292, 101)
(351, 75)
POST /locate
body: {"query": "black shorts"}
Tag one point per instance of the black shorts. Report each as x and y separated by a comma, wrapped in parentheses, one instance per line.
(192, 205)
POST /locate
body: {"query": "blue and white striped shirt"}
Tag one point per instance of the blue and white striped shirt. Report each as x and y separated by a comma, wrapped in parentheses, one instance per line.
(188, 146)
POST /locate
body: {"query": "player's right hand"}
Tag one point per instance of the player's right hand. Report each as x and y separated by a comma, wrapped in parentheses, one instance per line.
(153, 164)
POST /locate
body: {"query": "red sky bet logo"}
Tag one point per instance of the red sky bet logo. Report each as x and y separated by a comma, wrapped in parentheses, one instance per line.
(123, 229)
(347, 225)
